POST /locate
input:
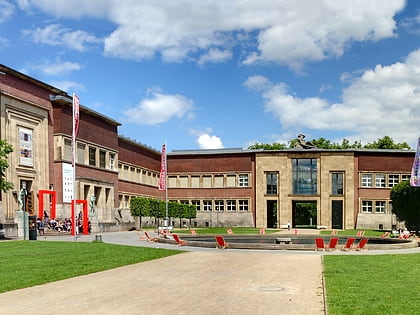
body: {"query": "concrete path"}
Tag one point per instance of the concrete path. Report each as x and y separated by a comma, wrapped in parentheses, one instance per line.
(196, 282)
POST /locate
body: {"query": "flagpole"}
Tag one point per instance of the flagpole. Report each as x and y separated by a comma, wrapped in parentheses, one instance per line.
(166, 187)
(75, 120)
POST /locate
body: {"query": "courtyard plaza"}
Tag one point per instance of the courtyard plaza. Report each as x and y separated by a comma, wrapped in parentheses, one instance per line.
(199, 281)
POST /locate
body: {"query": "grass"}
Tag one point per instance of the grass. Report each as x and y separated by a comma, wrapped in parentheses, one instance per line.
(222, 230)
(380, 284)
(29, 263)
(354, 232)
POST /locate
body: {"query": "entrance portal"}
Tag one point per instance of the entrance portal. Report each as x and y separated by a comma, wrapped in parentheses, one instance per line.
(271, 214)
(304, 214)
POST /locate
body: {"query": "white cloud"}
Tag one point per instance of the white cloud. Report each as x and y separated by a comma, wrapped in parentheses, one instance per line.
(381, 101)
(206, 141)
(56, 35)
(68, 86)
(6, 10)
(215, 55)
(159, 108)
(285, 32)
(58, 68)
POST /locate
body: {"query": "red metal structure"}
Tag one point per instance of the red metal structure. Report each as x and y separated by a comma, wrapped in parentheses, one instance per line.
(85, 216)
(41, 203)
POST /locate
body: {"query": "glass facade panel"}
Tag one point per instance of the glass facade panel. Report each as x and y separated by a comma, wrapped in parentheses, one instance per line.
(304, 176)
(271, 183)
(337, 183)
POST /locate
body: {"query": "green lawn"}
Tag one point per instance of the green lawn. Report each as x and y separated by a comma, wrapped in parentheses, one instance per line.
(354, 232)
(377, 284)
(28, 263)
(222, 230)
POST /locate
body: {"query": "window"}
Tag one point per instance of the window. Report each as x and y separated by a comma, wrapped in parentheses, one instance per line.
(231, 205)
(271, 183)
(243, 180)
(80, 153)
(380, 206)
(92, 156)
(304, 176)
(380, 180)
(219, 205)
(243, 205)
(67, 150)
(111, 161)
(196, 203)
(337, 185)
(367, 206)
(366, 180)
(393, 179)
(405, 177)
(102, 155)
(207, 205)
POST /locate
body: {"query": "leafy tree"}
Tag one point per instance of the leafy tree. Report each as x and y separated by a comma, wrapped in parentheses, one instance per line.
(140, 207)
(267, 146)
(5, 150)
(406, 204)
(191, 213)
(386, 143)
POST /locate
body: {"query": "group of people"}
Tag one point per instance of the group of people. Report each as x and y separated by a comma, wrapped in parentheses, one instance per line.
(60, 225)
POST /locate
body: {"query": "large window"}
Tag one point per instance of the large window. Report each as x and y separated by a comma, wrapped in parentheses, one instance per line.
(367, 206)
(102, 155)
(380, 206)
(304, 180)
(111, 161)
(219, 205)
(380, 180)
(366, 180)
(92, 156)
(393, 179)
(207, 205)
(243, 180)
(196, 203)
(231, 205)
(243, 205)
(271, 183)
(337, 186)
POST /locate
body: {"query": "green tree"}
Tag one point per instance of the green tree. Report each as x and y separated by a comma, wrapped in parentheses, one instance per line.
(191, 213)
(267, 146)
(387, 143)
(140, 207)
(5, 150)
(406, 204)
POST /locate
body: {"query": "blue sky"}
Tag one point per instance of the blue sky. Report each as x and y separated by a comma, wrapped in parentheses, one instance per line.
(216, 73)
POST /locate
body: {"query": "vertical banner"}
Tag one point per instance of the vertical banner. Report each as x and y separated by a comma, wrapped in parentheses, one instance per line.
(67, 182)
(25, 147)
(75, 131)
(415, 171)
(162, 176)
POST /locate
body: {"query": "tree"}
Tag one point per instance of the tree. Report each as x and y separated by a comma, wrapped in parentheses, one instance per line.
(406, 204)
(387, 143)
(5, 150)
(267, 146)
(140, 207)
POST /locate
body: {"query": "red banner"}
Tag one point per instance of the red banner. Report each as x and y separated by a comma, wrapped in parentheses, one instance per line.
(76, 105)
(162, 177)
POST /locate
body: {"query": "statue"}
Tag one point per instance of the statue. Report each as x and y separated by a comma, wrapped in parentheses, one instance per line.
(92, 205)
(21, 199)
(302, 144)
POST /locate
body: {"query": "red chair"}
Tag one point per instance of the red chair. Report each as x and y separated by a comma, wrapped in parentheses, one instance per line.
(319, 244)
(349, 243)
(360, 233)
(333, 243)
(178, 240)
(362, 244)
(220, 242)
(386, 234)
(149, 238)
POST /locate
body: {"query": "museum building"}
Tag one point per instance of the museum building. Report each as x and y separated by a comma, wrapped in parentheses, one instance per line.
(303, 187)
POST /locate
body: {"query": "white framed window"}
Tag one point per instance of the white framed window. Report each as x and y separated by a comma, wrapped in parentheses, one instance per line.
(405, 177)
(231, 205)
(243, 180)
(196, 203)
(367, 206)
(219, 205)
(243, 205)
(393, 179)
(207, 205)
(380, 180)
(111, 161)
(366, 180)
(380, 206)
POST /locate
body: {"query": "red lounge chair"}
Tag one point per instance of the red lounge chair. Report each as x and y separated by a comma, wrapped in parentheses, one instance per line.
(362, 244)
(349, 243)
(385, 235)
(149, 238)
(220, 242)
(229, 231)
(319, 243)
(333, 243)
(360, 233)
(178, 240)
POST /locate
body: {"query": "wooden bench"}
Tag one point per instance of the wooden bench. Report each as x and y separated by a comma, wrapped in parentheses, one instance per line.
(283, 240)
